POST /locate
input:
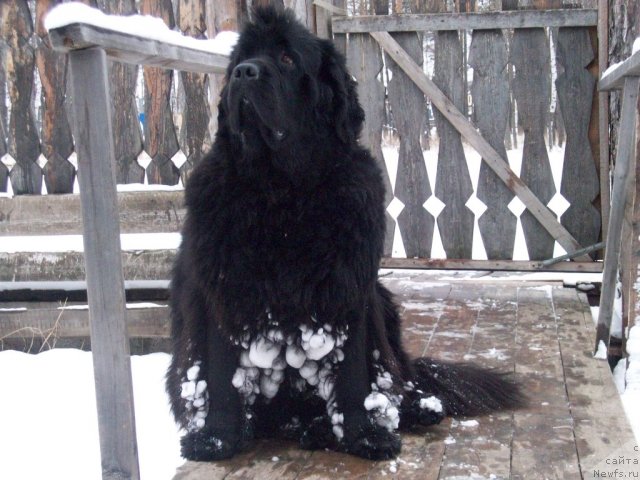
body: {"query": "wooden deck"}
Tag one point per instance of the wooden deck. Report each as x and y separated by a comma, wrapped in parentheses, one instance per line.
(575, 426)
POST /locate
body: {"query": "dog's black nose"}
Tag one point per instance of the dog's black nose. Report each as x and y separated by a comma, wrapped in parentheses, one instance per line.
(246, 71)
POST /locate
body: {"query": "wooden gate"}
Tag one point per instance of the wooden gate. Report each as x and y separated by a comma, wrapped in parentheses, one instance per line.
(512, 55)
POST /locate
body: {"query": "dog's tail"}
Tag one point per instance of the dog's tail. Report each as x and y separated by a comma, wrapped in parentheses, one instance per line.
(467, 390)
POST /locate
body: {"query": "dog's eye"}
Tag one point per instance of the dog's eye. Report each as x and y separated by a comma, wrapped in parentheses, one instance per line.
(286, 59)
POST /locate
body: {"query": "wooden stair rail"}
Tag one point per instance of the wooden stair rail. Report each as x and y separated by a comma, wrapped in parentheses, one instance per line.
(88, 48)
(626, 77)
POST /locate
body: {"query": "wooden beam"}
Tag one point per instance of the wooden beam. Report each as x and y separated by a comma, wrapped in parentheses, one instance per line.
(136, 50)
(44, 319)
(140, 212)
(488, 153)
(614, 79)
(491, 265)
(105, 284)
(466, 21)
(70, 266)
(621, 190)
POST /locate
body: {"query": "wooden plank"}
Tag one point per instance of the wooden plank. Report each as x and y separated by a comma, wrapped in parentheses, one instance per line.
(453, 183)
(70, 266)
(194, 130)
(4, 171)
(543, 444)
(466, 21)
(532, 90)
(412, 186)
(603, 116)
(24, 144)
(137, 50)
(161, 141)
(157, 264)
(140, 212)
(615, 79)
(489, 58)
(364, 61)
(57, 143)
(575, 86)
(493, 158)
(621, 190)
(96, 163)
(595, 404)
(72, 320)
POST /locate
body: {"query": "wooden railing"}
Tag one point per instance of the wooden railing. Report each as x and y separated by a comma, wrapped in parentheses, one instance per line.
(88, 48)
(623, 252)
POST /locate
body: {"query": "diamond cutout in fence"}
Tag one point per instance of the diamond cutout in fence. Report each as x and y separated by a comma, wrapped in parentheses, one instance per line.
(558, 204)
(179, 159)
(144, 159)
(476, 205)
(516, 206)
(434, 206)
(42, 161)
(73, 160)
(395, 207)
(8, 161)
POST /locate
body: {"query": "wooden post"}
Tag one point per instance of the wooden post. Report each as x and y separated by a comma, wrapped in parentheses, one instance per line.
(105, 283)
(621, 188)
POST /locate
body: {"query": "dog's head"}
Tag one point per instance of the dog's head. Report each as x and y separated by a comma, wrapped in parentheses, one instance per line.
(285, 84)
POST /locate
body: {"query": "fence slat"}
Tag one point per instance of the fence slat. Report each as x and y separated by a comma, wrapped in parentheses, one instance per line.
(24, 144)
(575, 85)
(57, 143)
(194, 131)
(532, 89)
(453, 184)
(105, 282)
(122, 80)
(412, 185)
(365, 63)
(488, 56)
(161, 141)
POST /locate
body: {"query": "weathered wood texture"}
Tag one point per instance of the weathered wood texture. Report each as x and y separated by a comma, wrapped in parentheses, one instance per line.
(537, 209)
(140, 212)
(57, 143)
(489, 57)
(412, 185)
(542, 333)
(575, 85)
(453, 183)
(532, 90)
(466, 21)
(365, 64)
(195, 123)
(24, 143)
(156, 265)
(105, 283)
(161, 141)
(620, 197)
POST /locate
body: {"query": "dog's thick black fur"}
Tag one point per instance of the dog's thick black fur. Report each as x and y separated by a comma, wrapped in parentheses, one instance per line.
(283, 236)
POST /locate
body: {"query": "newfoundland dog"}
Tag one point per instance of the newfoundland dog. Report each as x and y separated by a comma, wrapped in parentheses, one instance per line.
(280, 325)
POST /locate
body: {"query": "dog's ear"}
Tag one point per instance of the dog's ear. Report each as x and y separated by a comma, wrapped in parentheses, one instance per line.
(345, 111)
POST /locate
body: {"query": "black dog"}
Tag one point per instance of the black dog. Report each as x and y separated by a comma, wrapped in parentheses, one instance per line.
(280, 326)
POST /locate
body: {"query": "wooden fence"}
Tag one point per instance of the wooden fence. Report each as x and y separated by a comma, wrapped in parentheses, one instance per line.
(511, 54)
(501, 42)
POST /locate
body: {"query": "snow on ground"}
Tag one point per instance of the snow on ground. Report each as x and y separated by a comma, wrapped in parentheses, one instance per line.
(49, 424)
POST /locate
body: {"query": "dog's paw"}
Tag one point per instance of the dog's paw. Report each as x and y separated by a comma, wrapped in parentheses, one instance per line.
(207, 445)
(430, 410)
(373, 442)
(317, 435)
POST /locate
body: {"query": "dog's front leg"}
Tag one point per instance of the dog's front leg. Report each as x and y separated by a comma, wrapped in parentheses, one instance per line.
(362, 436)
(218, 435)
